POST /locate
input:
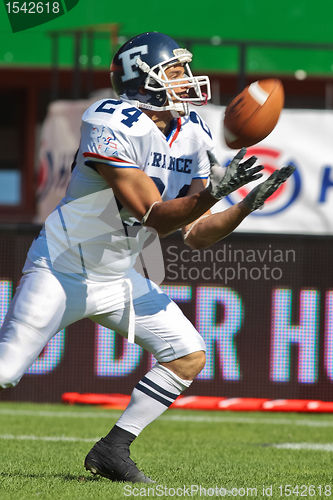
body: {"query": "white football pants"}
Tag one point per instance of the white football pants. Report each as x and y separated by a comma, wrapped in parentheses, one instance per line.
(45, 302)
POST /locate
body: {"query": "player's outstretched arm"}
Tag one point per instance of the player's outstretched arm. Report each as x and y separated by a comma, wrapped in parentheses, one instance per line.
(212, 228)
(221, 183)
(138, 193)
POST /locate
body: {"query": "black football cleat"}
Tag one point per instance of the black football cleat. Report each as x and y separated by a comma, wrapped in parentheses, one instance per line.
(114, 463)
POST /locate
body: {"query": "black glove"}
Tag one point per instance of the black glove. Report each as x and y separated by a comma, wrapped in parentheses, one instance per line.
(223, 182)
(257, 197)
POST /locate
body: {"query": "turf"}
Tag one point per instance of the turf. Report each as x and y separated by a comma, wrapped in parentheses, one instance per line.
(228, 450)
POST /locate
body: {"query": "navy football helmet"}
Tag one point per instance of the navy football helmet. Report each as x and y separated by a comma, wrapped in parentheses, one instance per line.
(138, 74)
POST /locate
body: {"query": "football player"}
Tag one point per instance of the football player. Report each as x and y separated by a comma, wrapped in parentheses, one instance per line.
(144, 161)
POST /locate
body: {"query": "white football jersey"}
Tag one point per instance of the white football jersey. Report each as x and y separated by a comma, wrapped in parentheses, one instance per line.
(90, 232)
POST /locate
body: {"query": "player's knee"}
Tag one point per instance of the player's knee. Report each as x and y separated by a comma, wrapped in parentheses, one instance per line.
(189, 366)
(200, 361)
(193, 364)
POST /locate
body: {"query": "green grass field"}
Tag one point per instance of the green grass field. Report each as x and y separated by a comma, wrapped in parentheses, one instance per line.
(43, 449)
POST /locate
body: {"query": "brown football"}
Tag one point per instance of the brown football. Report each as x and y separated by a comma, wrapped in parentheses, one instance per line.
(253, 113)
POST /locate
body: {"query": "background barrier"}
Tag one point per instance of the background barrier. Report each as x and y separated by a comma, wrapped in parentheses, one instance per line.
(263, 303)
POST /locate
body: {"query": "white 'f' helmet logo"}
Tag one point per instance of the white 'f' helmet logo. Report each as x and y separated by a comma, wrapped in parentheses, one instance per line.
(128, 59)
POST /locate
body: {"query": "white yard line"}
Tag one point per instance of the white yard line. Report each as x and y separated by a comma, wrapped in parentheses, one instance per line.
(305, 446)
(59, 414)
(47, 438)
(211, 417)
(250, 420)
(72, 439)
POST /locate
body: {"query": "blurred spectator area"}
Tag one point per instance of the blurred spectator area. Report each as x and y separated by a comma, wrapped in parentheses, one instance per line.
(26, 91)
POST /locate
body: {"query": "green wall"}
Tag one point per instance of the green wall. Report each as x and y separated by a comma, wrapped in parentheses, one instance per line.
(292, 21)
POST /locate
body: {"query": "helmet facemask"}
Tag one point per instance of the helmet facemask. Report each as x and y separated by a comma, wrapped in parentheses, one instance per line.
(197, 88)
